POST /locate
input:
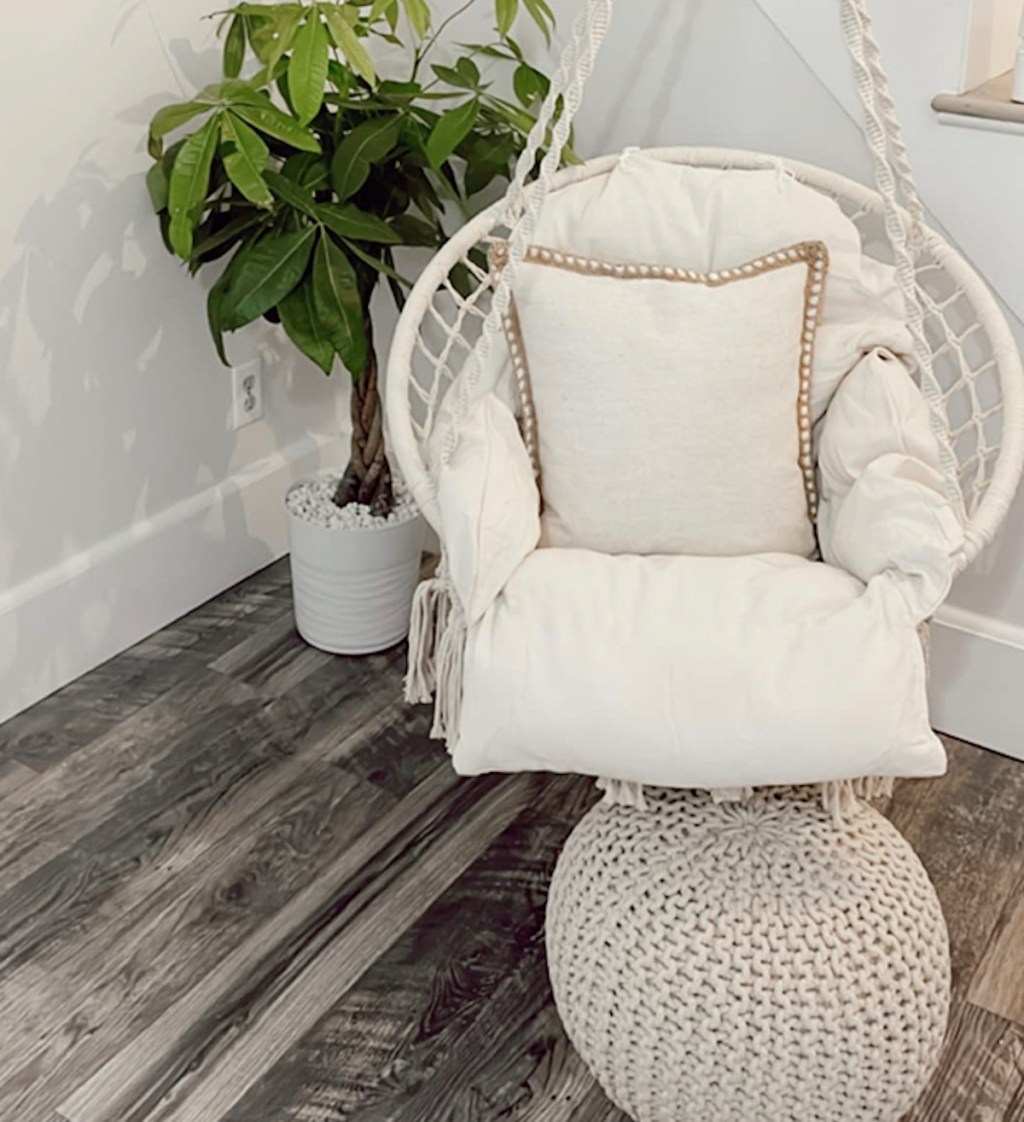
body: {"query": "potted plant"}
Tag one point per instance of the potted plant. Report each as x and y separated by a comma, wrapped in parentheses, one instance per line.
(305, 176)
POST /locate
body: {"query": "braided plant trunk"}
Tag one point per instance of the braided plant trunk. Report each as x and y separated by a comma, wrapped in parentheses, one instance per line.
(367, 479)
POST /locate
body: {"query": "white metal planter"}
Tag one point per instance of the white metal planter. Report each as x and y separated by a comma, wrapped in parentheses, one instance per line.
(353, 588)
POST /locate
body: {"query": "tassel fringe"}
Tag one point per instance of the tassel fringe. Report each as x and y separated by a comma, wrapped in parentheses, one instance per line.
(732, 794)
(840, 798)
(428, 609)
(437, 645)
(451, 653)
(617, 792)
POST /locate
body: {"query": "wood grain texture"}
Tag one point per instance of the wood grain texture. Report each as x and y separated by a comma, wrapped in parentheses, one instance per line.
(239, 883)
(362, 919)
(1003, 958)
(451, 986)
(259, 953)
(981, 1073)
(968, 828)
(13, 775)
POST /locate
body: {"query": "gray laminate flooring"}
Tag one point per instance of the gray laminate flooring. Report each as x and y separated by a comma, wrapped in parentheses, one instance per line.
(238, 883)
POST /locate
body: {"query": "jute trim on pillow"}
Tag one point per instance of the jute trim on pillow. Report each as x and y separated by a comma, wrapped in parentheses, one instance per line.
(812, 254)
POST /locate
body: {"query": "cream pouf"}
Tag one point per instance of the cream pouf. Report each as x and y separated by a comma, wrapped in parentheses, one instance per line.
(749, 962)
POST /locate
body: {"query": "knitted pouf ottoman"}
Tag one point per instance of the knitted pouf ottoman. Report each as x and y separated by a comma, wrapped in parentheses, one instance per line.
(749, 962)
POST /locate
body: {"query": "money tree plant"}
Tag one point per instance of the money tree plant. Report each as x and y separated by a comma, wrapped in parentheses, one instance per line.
(306, 169)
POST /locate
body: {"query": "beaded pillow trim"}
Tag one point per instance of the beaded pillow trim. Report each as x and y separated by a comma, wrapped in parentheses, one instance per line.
(812, 254)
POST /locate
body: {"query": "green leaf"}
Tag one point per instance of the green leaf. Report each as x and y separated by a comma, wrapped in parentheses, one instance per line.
(306, 169)
(270, 269)
(486, 156)
(157, 185)
(259, 113)
(272, 30)
(413, 230)
(458, 76)
(234, 47)
(292, 193)
(303, 326)
(542, 16)
(348, 42)
(189, 183)
(505, 12)
(380, 8)
(376, 263)
(230, 90)
(512, 113)
(450, 131)
(221, 237)
(214, 308)
(469, 71)
(530, 85)
(338, 304)
(365, 145)
(418, 14)
(348, 221)
(245, 160)
(488, 49)
(307, 71)
(514, 47)
(172, 117)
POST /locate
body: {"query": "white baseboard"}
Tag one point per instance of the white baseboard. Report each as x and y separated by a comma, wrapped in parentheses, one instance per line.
(65, 621)
(977, 680)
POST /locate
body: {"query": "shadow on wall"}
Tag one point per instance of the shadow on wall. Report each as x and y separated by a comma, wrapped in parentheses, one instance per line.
(681, 21)
(114, 408)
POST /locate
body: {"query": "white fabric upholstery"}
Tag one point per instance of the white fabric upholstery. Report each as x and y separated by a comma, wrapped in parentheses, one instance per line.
(884, 506)
(667, 412)
(490, 505)
(703, 671)
(691, 370)
(709, 219)
(695, 672)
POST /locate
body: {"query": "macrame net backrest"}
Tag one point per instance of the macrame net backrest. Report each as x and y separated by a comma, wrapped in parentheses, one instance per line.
(968, 364)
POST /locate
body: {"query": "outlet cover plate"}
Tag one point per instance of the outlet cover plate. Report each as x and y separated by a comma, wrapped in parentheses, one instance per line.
(247, 393)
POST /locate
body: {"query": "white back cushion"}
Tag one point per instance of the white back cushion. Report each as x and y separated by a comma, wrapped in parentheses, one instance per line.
(710, 218)
(669, 408)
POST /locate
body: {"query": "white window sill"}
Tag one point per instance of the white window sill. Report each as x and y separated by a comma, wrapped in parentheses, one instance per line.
(988, 106)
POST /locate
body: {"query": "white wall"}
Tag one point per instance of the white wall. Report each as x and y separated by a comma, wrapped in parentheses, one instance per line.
(991, 41)
(125, 498)
(722, 72)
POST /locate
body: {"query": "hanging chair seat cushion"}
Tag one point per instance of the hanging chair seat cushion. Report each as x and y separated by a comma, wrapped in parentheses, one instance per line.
(695, 672)
(708, 671)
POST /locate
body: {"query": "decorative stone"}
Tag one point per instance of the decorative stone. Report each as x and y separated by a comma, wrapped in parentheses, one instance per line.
(749, 962)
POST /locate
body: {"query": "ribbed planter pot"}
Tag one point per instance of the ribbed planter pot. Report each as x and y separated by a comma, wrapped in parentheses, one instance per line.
(353, 588)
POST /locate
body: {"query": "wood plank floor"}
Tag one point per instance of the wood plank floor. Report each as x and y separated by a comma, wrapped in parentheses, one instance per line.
(238, 883)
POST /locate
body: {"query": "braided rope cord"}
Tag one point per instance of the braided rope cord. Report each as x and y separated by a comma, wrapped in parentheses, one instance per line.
(522, 207)
(893, 178)
(969, 367)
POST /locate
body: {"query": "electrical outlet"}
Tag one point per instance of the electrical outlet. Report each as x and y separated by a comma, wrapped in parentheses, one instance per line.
(247, 393)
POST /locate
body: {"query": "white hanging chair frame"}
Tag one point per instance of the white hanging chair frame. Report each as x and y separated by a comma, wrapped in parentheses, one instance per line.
(969, 365)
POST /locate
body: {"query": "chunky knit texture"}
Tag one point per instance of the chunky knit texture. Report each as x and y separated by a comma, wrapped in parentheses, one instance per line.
(749, 961)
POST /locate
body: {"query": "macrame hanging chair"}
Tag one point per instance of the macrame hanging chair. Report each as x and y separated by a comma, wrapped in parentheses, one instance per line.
(968, 366)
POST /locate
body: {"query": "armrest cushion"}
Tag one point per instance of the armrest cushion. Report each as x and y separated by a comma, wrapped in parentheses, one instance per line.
(489, 503)
(884, 507)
